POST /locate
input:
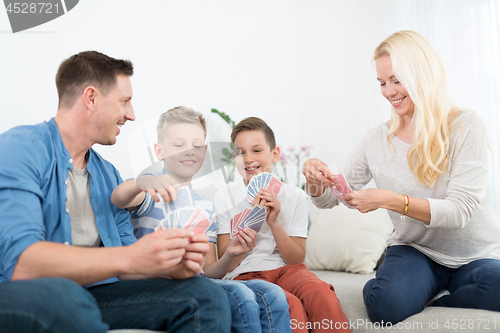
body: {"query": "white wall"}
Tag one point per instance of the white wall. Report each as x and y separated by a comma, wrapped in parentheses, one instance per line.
(303, 66)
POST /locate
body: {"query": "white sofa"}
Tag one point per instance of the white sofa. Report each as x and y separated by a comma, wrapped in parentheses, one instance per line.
(343, 248)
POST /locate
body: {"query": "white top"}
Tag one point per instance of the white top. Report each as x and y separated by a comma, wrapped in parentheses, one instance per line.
(265, 256)
(83, 225)
(464, 226)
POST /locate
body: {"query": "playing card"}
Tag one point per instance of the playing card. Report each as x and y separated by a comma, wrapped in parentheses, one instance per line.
(201, 226)
(341, 184)
(186, 216)
(184, 199)
(274, 186)
(341, 188)
(235, 222)
(198, 221)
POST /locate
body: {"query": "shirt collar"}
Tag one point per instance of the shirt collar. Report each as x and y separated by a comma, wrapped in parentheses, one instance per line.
(59, 144)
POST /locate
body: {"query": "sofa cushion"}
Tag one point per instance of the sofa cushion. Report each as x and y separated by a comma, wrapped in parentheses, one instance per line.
(343, 239)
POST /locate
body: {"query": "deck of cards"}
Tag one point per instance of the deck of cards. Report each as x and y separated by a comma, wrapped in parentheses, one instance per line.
(252, 218)
(181, 213)
(260, 181)
(341, 188)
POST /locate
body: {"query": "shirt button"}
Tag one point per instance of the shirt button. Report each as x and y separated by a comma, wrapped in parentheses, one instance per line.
(70, 160)
(66, 243)
(66, 182)
(67, 210)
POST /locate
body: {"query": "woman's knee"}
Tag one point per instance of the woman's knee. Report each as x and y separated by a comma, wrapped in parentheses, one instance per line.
(386, 305)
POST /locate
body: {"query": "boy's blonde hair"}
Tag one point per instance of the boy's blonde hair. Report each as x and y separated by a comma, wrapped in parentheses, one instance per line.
(179, 115)
(419, 69)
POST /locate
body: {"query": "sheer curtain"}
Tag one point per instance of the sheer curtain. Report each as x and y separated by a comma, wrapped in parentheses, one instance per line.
(470, 47)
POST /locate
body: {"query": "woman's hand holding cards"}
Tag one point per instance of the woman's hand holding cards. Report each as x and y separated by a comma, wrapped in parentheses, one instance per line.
(318, 177)
(367, 200)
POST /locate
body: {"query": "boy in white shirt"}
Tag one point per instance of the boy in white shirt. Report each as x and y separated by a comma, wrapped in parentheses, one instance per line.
(281, 243)
(181, 146)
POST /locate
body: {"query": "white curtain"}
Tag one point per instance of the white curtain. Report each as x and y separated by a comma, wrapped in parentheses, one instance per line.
(471, 50)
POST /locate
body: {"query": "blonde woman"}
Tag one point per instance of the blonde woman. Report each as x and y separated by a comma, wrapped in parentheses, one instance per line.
(429, 162)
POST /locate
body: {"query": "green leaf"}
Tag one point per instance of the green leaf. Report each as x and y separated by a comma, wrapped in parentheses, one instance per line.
(225, 117)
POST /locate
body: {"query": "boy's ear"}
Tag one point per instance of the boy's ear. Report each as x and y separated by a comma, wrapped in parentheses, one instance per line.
(276, 154)
(158, 152)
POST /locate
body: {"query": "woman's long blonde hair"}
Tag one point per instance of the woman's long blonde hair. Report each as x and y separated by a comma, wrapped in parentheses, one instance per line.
(419, 69)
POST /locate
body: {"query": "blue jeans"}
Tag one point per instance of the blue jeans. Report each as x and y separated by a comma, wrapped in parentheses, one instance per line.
(192, 305)
(407, 280)
(48, 305)
(256, 306)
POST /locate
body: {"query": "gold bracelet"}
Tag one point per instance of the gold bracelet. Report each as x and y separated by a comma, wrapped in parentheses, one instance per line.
(407, 201)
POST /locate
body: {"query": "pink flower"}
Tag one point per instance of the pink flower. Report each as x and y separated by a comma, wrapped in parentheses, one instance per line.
(283, 158)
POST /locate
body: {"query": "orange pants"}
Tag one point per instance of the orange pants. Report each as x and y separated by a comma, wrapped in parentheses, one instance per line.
(313, 302)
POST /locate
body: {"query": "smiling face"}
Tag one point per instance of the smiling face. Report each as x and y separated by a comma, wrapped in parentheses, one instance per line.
(253, 154)
(113, 110)
(392, 89)
(182, 150)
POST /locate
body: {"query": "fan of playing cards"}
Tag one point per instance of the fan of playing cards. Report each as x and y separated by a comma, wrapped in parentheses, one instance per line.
(181, 213)
(260, 181)
(194, 219)
(251, 218)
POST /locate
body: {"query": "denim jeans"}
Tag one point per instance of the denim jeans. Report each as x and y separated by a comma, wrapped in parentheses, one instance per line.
(61, 306)
(192, 305)
(48, 305)
(256, 306)
(407, 280)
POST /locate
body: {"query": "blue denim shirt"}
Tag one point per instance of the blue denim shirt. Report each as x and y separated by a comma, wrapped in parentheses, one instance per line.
(33, 181)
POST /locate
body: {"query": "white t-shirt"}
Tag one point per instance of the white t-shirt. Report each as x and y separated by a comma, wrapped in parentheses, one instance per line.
(265, 256)
(84, 230)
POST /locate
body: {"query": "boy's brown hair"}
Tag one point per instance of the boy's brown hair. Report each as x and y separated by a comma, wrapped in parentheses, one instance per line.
(179, 115)
(254, 124)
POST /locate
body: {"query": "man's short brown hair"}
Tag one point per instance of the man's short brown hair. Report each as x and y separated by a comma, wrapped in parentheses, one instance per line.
(254, 124)
(89, 68)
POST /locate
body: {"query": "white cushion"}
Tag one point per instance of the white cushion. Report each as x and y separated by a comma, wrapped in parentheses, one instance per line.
(343, 239)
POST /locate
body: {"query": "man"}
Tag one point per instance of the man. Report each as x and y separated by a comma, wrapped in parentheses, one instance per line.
(58, 229)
